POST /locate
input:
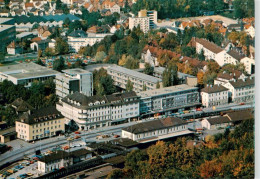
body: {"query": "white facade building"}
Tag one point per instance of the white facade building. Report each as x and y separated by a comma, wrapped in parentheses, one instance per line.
(214, 96)
(156, 130)
(115, 8)
(120, 75)
(99, 111)
(144, 23)
(215, 122)
(249, 64)
(73, 80)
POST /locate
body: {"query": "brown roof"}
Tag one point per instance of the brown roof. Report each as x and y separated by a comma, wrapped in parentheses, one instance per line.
(194, 62)
(156, 51)
(243, 83)
(36, 39)
(28, 4)
(21, 105)
(218, 120)
(235, 74)
(214, 89)
(235, 55)
(207, 44)
(236, 116)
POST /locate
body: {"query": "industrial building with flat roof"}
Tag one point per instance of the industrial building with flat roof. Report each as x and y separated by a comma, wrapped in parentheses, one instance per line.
(26, 73)
(121, 75)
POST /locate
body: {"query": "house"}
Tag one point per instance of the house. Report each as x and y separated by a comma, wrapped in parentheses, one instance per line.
(21, 106)
(225, 77)
(241, 90)
(215, 95)
(249, 64)
(250, 29)
(7, 134)
(195, 63)
(156, 130)
(43, 44)
(40, 123)
(13, 48)
(215, 122)
(43, 32)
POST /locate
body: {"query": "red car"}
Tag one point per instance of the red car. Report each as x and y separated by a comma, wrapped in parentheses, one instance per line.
(198, 109)
(77, 132)
(242, 103)
(77, 137)
(35, 158)
(116, 136)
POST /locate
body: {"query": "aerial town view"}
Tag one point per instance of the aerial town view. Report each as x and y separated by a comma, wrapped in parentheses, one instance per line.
(127, 89)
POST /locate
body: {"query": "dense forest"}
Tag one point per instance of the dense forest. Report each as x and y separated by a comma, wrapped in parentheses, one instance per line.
(227, 155)
(191, 8)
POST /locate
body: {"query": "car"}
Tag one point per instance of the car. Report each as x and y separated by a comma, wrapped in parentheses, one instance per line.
(116, 136)
(55, 169)
(66, 147)
(242, 103)
(35, 158)
(77, 132)
(31, 162)
(29, 174)
(10, 171)
(186, 112)
(70, 138)
(198, 109)
(23, 175)
(77, 137)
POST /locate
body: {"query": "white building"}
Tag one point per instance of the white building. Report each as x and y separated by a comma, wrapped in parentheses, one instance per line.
(214, 96)
(242, 90)
(73, 80)
(250, 30)
(156, 130)
(79, 38)
(115, 8)
(225, 77)
(152, 17)
(99, 111)
(249, 64)
(26, 73)
(215, 122)
(120, 75)
(144, 23)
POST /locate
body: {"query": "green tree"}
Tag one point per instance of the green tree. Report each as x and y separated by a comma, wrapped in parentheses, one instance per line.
(170, 75)
(2, 57)
(59, 64)
(61, 46)
(148, 69)
(100, 56)
(201, 55)
(157, 85)
(129, 86)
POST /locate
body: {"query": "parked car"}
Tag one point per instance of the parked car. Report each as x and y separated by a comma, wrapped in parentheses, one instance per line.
(77, 132)
(29, 174)
(77, 137)
(116, 136)
(242, 103)
(198, 109)
(186, 112)
(66, 147)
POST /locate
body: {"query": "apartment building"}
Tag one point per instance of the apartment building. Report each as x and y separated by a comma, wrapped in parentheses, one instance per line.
(225, 77)
(156, 130)
(143, 22)
(73, 80)
(38, 124)
(99, 111)
(26, 73)
(249, 64)
(241, 90)
(168, 100)
(120, 75)
(79, 38)
(7, 34)
(214, 95)
(152, 17)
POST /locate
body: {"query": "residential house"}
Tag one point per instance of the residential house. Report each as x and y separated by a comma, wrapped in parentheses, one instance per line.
(21, 106)
(249, 64)
(215, 122)
(225, 77)
(13, 48)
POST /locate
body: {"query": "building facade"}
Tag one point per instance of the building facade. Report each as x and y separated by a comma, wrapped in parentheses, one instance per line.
(152, 17)
(120, 75)
(143, 22)
(38, 124)
(214, 96)
(168, 100)
(249, 64)
(99, 111)
(73, 80)
(7, 35)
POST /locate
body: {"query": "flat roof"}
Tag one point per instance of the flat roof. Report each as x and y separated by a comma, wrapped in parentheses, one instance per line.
(3, 20)
(27, 70)
(24, 34)
(5, 27)
(135, 74)
(180, 75)
(171, 89)
(75, 71)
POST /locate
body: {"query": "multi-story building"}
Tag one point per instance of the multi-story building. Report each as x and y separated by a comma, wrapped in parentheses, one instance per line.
(79, 38)
(26, 73)
(249, 64)
(99, 111)
(225, 77)
(38, 124)
(120, 75)
(242, 90)
(7, 32)
(73, 80)
(156, 130)
(152, 17)
(214, 95)
(143, 22)
(168, 100)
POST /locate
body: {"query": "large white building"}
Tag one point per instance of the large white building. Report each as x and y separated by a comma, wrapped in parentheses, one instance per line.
(152, 17)
(249, 64)
(168, 100)
(143, 22)
(73, 80)
(242, 90)
(120, 75)
(26, 73)
(214, 96)
(156, 130)
(99, 111)
(79, 38)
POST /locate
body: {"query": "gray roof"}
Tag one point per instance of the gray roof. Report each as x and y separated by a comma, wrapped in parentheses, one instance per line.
(214, 89)
(135, 74)
(218, 120)
(160, 70)
(154, 125)
(75, 71)
(237, 116)
(243, 83)
(24, 34)
(78, 33)
(61, 17)
(4, 20)
(165, 91)
(235, 55)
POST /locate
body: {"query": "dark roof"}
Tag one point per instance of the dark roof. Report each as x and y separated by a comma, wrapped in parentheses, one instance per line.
(85, 101)
(79, 152)
(214, 89)
(235, 55)
(155, 125)
(218, 120)
(206, 44)
(21, 105)
(243, 83)
(231, 26)
(8, 131)
(78, 33)
(240, 115)
(228, 76)
(40, 115)
(60, 154)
